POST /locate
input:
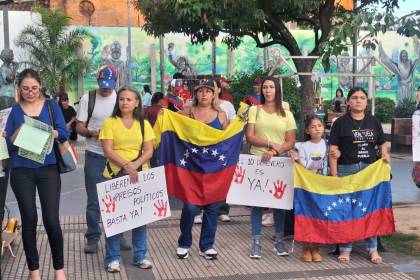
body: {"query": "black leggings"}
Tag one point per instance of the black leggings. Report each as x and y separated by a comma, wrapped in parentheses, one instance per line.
(24, 182)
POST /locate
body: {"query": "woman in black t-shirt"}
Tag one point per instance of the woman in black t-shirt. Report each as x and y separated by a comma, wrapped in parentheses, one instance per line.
(69, 115)
(357, 135)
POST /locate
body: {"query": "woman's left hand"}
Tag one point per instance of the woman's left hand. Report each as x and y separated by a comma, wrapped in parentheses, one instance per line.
(266, 156)
(54, 134)
(278, 148)
(134, 176)
(386, 157)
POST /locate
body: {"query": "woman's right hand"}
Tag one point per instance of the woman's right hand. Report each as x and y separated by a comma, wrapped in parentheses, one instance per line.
(335, 153)
(14, 135)
(294, 155)
(266, 156)
(134, 176)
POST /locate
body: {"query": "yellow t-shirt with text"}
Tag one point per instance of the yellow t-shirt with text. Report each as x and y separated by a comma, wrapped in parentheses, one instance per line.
(271, 127)
(126, 141)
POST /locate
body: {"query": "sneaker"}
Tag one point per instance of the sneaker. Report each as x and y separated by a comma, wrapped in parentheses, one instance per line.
(113, 267)
(91, 246)
(280, 249)
(255, 251)
(183, 253)
(306, 254)
(268, 220)
(124, 244)
(198, 219)
(316, 255)
(224, 218)
(145, 264)
(209, 254)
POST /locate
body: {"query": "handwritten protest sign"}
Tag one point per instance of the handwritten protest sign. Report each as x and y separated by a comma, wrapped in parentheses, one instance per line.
(262, 184)
(125, 206)
(416, 137)
(4, 153)
(4, 115)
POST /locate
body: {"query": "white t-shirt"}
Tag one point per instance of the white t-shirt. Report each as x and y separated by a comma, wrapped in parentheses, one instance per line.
(146, 99)
(313, 156)
(102, 110)
(228, 108)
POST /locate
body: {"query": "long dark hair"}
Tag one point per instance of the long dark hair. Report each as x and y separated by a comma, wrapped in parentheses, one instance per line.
(157, 96)
(308, 121)
(28, 73)
(278, 98)
(138, 111)
(339, 90)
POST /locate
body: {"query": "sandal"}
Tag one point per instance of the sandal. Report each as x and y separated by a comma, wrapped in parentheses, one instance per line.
(375, 258)
(344, 258)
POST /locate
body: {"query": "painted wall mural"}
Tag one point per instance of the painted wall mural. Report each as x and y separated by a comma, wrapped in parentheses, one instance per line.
(196, 59)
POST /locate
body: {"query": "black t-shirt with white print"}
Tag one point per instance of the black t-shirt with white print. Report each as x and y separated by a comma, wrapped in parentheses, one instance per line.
(357, 140)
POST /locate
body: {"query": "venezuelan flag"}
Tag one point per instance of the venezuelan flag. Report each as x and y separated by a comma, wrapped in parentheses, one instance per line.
(199, 160)
(331, 210)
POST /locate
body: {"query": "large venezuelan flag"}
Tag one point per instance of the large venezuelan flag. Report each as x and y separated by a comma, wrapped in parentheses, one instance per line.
(331, 210)
(199, 160)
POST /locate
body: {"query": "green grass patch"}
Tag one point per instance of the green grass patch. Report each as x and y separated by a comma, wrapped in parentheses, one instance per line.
(408, 244)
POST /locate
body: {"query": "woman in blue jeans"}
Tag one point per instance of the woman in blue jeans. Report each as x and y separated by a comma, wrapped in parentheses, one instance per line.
(271, 131)
(127, 142)
(358, 136)
(204, 109)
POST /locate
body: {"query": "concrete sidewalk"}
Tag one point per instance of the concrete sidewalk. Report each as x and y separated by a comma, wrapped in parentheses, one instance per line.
(232, 242)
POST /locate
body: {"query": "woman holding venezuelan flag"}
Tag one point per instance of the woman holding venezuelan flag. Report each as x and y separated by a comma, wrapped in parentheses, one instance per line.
(204, 109)
(271, 131)
(357, 135)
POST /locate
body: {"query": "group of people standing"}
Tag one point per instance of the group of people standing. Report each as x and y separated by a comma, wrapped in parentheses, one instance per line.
(119, 141)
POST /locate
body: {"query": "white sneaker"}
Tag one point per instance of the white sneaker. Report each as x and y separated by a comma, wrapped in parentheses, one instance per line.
(145, 264)
(183, 253)
(198, 219)
(224, 218)
(113, 267)
(209, 254)
(268, 220)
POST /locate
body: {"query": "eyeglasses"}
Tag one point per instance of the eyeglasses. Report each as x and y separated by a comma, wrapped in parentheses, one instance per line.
(64, 99)
(28, 89)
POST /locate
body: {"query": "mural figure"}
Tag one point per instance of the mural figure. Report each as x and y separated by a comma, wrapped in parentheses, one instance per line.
(7, 79)
(344, 65)
(403, 70)
(181, 64)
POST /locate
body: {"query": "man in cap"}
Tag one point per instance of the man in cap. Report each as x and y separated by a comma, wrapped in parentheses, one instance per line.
(94, 108)
(225, 94)
(254, 98)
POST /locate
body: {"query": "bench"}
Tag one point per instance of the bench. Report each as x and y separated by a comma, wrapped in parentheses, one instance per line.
(401, 135)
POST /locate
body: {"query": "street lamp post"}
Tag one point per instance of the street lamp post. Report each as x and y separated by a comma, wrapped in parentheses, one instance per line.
(5, 5)
(129, 44)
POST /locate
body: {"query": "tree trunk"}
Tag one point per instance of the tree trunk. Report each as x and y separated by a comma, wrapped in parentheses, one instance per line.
(307, 98)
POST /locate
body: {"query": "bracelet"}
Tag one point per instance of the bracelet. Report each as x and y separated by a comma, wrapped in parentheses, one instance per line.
(274, 152)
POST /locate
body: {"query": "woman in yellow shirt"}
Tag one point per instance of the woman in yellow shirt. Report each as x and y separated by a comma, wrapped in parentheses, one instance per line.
(127, 147)
(271, 131)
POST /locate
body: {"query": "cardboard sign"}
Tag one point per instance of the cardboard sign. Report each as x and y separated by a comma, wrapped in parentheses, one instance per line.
(416, 136)
(262, 184)
(125, 206)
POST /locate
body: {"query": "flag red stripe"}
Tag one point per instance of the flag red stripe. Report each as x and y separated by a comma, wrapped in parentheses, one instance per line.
(198, 188)
(324, 232)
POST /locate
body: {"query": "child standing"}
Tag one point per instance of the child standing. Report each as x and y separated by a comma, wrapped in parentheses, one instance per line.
(313, 156)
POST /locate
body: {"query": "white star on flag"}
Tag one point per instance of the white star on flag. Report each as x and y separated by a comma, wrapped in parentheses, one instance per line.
(182, 162)
(329, 208)
(340, 200)
(187, 154)
(222, 158)
(205, 151)
(214, 153)
(364, 209)
(360, 204)
(348, 199)
(354, 201)
(194, 150)
(326, 214)
(334, 204)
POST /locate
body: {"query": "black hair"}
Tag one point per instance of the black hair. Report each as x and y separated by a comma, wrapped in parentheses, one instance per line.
(138, 111)
(354, 90)
(28, 73)
(308, 121)
(178, 75)
(147, 88)
(339, 90)
(157, 96)
(278, 97)
(418, 88)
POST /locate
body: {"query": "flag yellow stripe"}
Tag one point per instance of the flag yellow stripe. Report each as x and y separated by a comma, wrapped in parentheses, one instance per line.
(193, 131)
(363, 180)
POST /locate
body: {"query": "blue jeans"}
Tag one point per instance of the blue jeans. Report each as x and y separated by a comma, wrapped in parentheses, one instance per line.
(208, 227)
(139, 240)
(94, 167)
(345, 170)
(256, 219)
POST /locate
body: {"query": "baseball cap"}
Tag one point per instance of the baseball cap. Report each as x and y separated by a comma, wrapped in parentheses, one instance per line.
(257, 81)
(107, 77)
(208, 83)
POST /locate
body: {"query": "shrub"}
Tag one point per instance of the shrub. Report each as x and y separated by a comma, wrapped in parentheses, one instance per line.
(384, 109)
(405, 108)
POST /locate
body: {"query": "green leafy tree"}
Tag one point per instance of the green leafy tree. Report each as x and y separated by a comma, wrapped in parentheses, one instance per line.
(333, 26)
(52, 49)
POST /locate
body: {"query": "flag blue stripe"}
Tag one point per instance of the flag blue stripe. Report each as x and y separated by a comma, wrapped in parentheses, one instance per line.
(218, 156)
(347, 207)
